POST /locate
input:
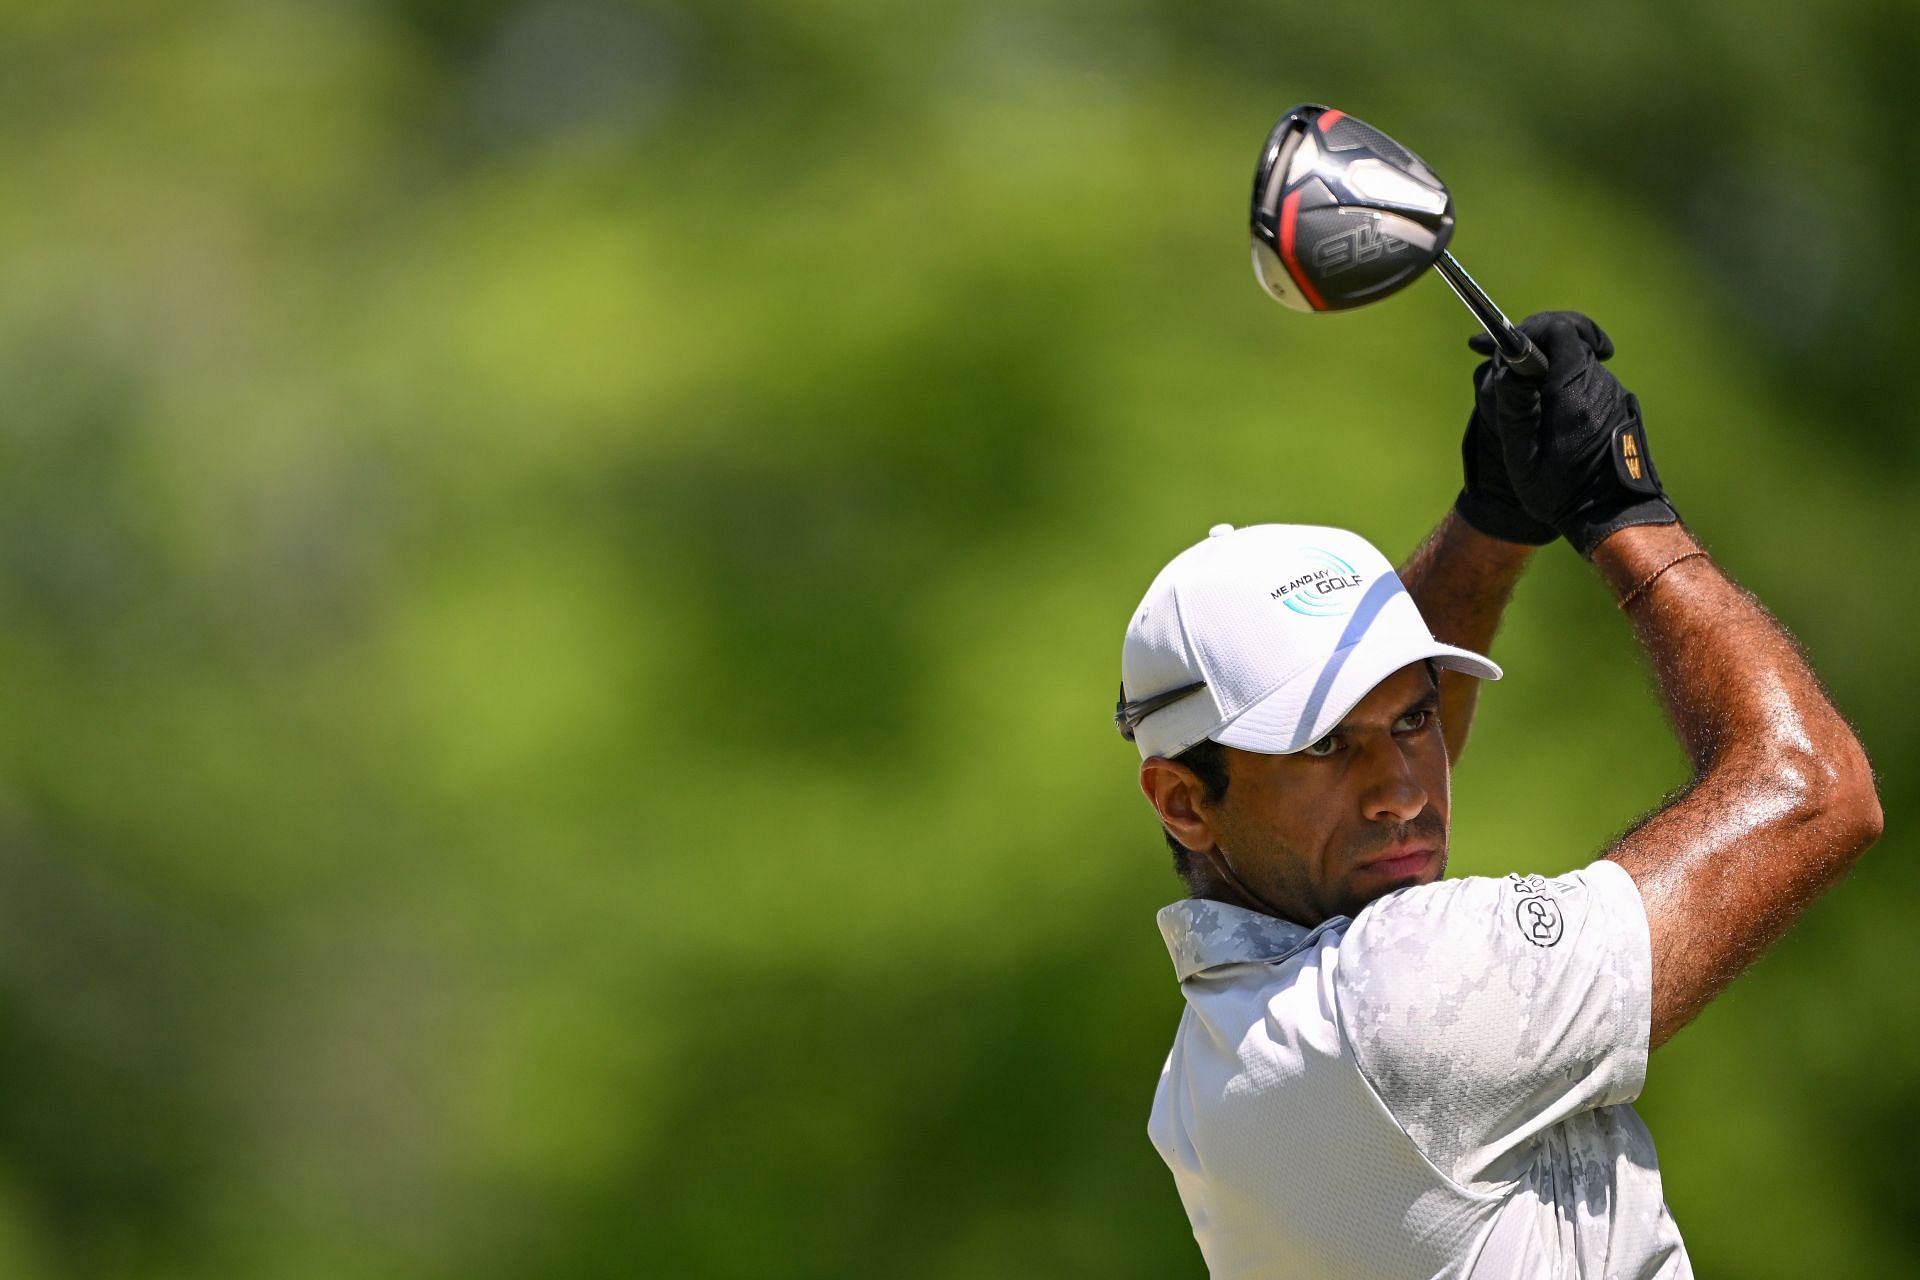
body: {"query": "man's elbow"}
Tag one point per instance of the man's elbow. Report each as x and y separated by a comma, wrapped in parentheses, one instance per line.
(1835, 790)
(1859, 809)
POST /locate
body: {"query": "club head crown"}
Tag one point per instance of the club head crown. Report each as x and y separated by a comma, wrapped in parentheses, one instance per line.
(1342, 214)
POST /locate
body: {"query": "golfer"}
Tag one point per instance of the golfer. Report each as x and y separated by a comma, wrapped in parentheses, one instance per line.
(1380, 1072)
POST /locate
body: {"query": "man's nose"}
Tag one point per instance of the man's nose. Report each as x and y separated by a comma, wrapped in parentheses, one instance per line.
(1393, 793)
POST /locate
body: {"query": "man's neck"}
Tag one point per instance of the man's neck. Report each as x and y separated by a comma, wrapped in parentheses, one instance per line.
(1218, 883)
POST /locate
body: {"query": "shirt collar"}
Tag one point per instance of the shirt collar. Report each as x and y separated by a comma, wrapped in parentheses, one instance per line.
(1203, 934)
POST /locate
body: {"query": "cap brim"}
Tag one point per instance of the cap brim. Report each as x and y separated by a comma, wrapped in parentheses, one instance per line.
(1310, 705)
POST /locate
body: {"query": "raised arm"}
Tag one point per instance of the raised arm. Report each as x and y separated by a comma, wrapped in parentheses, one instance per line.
(1782, 798)
(1462, 576)
(1462, 579)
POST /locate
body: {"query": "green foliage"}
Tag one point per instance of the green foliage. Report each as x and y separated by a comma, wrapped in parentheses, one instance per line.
(563, 568)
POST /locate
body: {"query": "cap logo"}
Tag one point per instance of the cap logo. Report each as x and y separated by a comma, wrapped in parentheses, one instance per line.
(1323, 589)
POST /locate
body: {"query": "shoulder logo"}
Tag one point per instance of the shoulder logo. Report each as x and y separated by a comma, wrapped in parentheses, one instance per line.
(1539, 919)
(1322, 588)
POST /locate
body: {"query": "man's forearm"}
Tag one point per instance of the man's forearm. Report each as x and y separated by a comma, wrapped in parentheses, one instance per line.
(1462, 579)
(1782, 799)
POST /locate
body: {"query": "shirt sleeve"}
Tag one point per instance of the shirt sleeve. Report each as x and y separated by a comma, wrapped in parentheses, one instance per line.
(1482, 1012)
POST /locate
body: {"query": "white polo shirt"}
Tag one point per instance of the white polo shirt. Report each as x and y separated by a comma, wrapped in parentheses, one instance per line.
(1437, 1087)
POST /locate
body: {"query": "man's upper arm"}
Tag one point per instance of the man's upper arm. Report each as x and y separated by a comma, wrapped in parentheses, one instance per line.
(1724, 870)
(1483, 1011)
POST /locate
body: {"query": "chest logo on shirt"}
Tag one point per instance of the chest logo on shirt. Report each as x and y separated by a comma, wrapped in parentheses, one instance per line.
(1540, 920)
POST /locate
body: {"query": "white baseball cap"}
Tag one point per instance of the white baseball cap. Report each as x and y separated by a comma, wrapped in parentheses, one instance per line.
(1265, 637)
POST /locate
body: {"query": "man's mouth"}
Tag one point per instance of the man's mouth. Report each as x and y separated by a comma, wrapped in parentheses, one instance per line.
(1409, 858)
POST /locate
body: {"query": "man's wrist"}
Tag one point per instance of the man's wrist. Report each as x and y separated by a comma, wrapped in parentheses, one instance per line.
(1592, 527)
(1502, 521)
(1465, 541)
(1627, 557)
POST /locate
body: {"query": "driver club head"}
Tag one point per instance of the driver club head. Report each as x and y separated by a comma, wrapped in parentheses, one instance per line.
(1342, 214)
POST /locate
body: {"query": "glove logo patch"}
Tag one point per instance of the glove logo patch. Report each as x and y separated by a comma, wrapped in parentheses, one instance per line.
(1323, 588)
(1539, 919)
(1632, 465)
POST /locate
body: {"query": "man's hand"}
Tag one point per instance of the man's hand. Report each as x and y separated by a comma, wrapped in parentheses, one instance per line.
(1487, 501)
(1573, 443)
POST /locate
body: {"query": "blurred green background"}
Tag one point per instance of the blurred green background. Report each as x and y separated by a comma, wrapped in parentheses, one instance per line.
(562, 569)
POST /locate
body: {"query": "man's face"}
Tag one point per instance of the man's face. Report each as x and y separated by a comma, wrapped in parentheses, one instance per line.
(1324, 831)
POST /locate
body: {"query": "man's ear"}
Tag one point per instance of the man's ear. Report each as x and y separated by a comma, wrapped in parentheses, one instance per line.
(1177, 795)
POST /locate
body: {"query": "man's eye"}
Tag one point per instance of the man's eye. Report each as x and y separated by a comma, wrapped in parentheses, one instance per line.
(1323, 748)
(1414, 721)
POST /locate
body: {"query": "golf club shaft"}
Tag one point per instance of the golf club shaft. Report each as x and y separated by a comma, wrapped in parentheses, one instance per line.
(1515, 347)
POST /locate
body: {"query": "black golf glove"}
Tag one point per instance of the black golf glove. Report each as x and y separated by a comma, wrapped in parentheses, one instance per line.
(1573, 442)
(1488, 501)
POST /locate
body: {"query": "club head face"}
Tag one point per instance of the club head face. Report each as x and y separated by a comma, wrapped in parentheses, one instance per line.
(1342, 214)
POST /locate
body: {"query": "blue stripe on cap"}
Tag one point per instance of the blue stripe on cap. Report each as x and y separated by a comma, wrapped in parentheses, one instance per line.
(1383, 589)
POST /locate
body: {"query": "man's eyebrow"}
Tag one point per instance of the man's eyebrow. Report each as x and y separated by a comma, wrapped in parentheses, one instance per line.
(1428, 701)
